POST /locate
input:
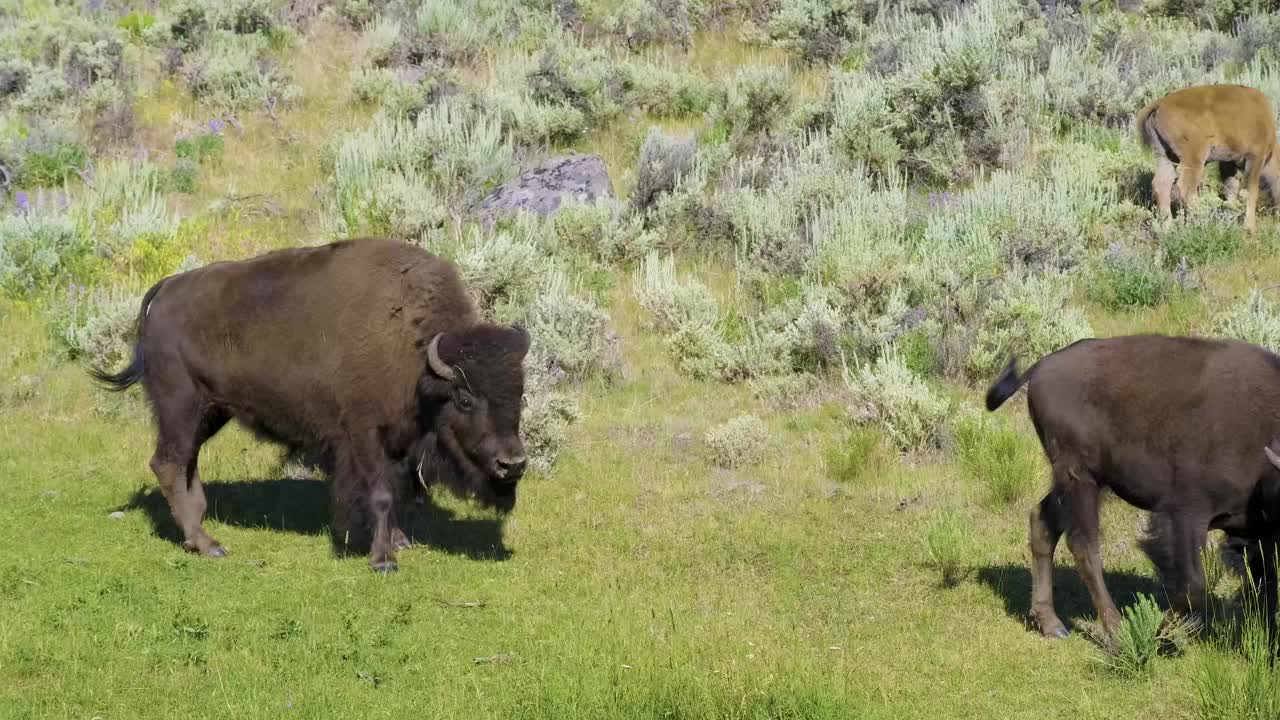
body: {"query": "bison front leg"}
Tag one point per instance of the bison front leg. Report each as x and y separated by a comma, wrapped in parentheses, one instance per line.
(1162, 186)
(368, 472)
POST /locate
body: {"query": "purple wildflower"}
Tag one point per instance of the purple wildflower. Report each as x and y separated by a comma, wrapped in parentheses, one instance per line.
(231, 119)
(215, 126)
(23, 200)
(940, 200)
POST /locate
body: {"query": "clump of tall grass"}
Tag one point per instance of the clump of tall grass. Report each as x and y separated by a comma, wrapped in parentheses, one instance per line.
(857, 455)
(1126, 278)
(948, 543)
(1236, 677)
(1001, 461)
(1144, 632)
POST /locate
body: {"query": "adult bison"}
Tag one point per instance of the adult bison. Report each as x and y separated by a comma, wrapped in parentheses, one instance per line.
(366, 355)
(1182, 427)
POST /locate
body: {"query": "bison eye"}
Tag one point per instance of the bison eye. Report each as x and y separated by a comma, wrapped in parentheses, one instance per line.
(464, 403)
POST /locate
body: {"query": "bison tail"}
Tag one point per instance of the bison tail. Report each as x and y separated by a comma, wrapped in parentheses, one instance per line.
(1005, 386)
(1144, 138)
(128, 377)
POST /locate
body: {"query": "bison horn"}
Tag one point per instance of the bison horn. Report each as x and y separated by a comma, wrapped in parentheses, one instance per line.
(440, 367)
(1272, 456)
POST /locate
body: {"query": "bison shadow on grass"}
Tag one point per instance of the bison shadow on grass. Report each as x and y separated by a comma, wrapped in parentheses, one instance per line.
(1012, 583)
(302, 506)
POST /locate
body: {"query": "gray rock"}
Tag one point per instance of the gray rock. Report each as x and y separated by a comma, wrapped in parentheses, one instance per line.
(117, 515)
(577, 178)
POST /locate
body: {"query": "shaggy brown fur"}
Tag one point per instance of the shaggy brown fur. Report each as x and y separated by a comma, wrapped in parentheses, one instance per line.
(1229, 124)
(327, 350)
(1182, 427)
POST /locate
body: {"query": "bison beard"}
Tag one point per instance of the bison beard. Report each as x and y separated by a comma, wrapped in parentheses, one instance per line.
(365, 357)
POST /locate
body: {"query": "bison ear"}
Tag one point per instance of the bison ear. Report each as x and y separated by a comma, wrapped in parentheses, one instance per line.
(519, 340)
(1272, 456)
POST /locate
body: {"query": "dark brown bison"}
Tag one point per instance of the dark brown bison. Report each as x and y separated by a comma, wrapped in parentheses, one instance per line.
(365, 355)
(1182, 427)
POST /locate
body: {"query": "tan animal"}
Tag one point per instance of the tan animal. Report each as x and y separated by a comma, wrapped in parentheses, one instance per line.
(1232, 125)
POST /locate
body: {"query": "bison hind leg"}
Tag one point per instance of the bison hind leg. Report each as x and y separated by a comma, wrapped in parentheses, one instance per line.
(184, 423)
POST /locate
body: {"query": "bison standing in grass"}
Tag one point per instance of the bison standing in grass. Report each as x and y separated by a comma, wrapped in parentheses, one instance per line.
(366, 355)
(1183, 427)
(1229, 124)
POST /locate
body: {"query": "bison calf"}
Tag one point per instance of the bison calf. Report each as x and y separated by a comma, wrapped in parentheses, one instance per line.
(366, 355)
(1182, 427)
(1229, 124)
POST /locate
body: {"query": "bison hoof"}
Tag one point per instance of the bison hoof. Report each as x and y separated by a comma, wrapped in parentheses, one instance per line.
(385, 567)
(217, 551)
(1056, 633)
(400, 541)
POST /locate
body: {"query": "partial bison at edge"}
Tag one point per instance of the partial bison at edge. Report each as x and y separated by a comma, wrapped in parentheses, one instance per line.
(1183, 427)
(366, 355)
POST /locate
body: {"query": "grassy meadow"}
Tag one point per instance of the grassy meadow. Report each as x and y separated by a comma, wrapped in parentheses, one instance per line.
(763, 484)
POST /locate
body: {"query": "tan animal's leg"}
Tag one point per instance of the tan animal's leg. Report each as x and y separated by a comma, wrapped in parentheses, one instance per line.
(1271, 176)
(1162, 186)
(1046, 529)
(1253, 171)
(1191, 171)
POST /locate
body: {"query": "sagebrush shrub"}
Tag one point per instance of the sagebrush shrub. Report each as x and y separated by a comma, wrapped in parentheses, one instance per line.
(673, 304)
(231, 71)
(504, 271)
(663, 161)
(1206, 240)
(549, 411)
(739, 442)
(405, 174)
(1254, 319)
(640, 23)
(40, 245)
(1029, 316)
(570, 329)
(886, 393)
(96, 326)
(756, 99)
(821, 31)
